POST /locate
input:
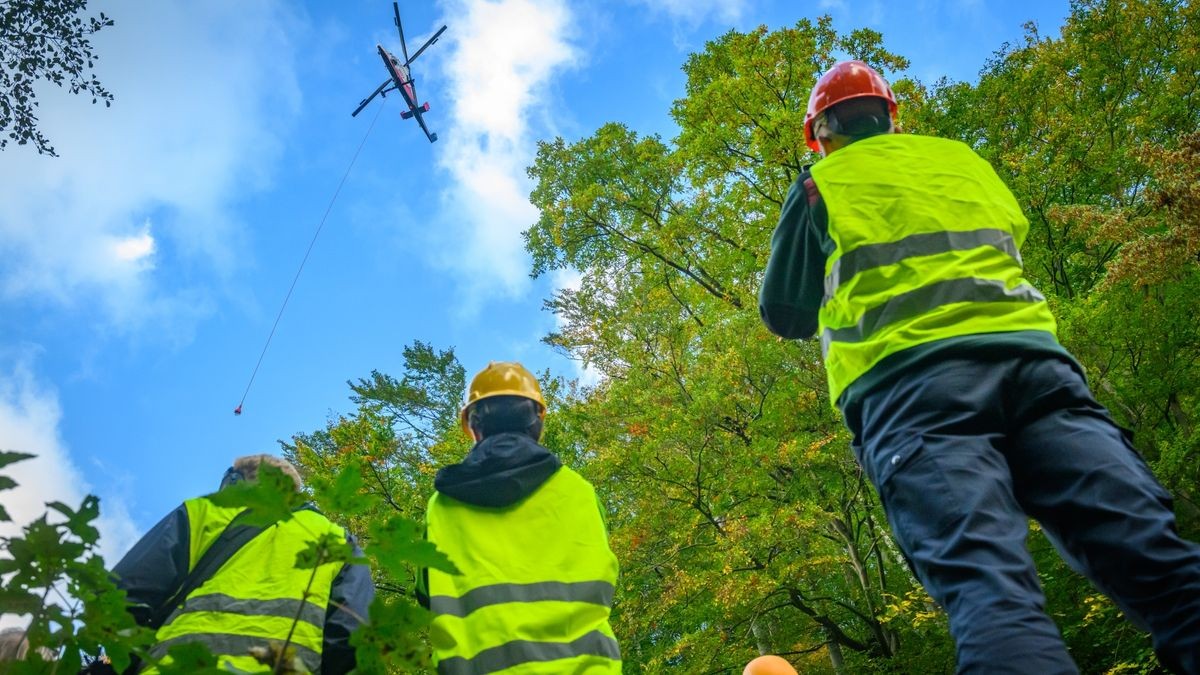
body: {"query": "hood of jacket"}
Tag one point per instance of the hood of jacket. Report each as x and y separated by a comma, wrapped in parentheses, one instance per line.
(500, 470)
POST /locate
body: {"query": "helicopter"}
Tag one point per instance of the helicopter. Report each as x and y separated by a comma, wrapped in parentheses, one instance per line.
(400, 78)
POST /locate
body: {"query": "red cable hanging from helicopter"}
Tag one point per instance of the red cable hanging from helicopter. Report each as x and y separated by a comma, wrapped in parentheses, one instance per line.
(399, 79)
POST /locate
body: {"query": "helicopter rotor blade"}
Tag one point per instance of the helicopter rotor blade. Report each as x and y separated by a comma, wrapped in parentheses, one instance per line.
(370, 98)
(424, 46)
(400, 29)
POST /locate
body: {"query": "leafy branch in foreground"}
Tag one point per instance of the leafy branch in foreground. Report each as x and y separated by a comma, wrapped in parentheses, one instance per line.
(53, 573)
(44, 40)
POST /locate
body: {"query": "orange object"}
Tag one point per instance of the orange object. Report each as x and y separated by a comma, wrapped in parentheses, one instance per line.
(844, 81)
(769, 665)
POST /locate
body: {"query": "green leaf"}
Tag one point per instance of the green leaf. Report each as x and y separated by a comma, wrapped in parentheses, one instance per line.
(268, 500)
(79, 522)
(392, 640)
(330, 548)
(346, 496)
(9, 457)
(69, 660)
(398, 543)
(17, 601)
(189, 658)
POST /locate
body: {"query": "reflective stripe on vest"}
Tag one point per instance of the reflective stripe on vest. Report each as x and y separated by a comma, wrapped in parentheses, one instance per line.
(286, 608)
(517, 652)
(536, 586)
(595, 592)
(229, 644)
(871, 256)
(918, 301)
(926, 247)
(258, 597)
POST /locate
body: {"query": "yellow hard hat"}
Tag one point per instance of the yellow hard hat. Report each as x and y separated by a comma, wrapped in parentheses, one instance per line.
(502, 378)
(769, 665)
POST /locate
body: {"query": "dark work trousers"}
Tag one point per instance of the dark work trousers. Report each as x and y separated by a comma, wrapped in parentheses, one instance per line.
(964, 451)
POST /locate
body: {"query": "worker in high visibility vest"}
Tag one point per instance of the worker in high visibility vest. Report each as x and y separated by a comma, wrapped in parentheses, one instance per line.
(902, 252)
(528, 535)
(257, 598)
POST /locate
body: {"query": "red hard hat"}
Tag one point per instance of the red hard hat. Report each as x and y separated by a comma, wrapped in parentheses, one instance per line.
(844, 81)
(769, 665)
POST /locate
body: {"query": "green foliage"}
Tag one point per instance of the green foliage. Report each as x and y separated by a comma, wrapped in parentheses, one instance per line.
(1063, 121)
(394, 640)
(53, 573)
(268, 500)
(346, 493)
(425, 401)
(7, 483)
(329, 548)
(374, 470)
(184, 659)
(44, 40)
(398, 543)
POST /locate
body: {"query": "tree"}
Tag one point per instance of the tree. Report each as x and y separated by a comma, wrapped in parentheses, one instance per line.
(44, 40)
(1062, 120)
(742, 523)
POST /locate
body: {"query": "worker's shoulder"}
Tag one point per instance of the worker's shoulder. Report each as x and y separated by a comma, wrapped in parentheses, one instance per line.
(568, 475)
(310, 511)
(568, 486)
(939, 142)
(803, 189)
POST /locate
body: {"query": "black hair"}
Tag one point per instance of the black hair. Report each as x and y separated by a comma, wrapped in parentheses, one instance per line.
(501, 414)
(859, 118)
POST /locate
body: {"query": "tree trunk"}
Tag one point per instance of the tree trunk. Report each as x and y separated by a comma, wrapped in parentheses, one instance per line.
(883, 636)
(835, 654)
(761, 629)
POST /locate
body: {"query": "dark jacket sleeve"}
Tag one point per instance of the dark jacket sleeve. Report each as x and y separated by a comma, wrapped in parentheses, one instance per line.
(422, 589)
(794, 281)
(349, 603)
(155, 566)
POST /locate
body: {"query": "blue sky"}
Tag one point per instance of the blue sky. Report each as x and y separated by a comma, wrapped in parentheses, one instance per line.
(141, 271)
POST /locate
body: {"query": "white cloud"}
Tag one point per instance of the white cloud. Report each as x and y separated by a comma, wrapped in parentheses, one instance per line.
(504, 55)
(134, 248)
(202, 93)
(29, 421)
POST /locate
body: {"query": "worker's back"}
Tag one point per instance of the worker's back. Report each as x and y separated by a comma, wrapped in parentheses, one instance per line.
(926, 241)
(967, 415)
(537, 576)
(258, 595)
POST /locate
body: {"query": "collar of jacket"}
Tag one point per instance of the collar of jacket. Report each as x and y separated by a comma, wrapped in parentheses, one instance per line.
(499, 471)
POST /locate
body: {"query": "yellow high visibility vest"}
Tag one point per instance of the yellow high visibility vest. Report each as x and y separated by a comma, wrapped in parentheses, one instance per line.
(927, 240)
(256, 595)
(536, 586)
